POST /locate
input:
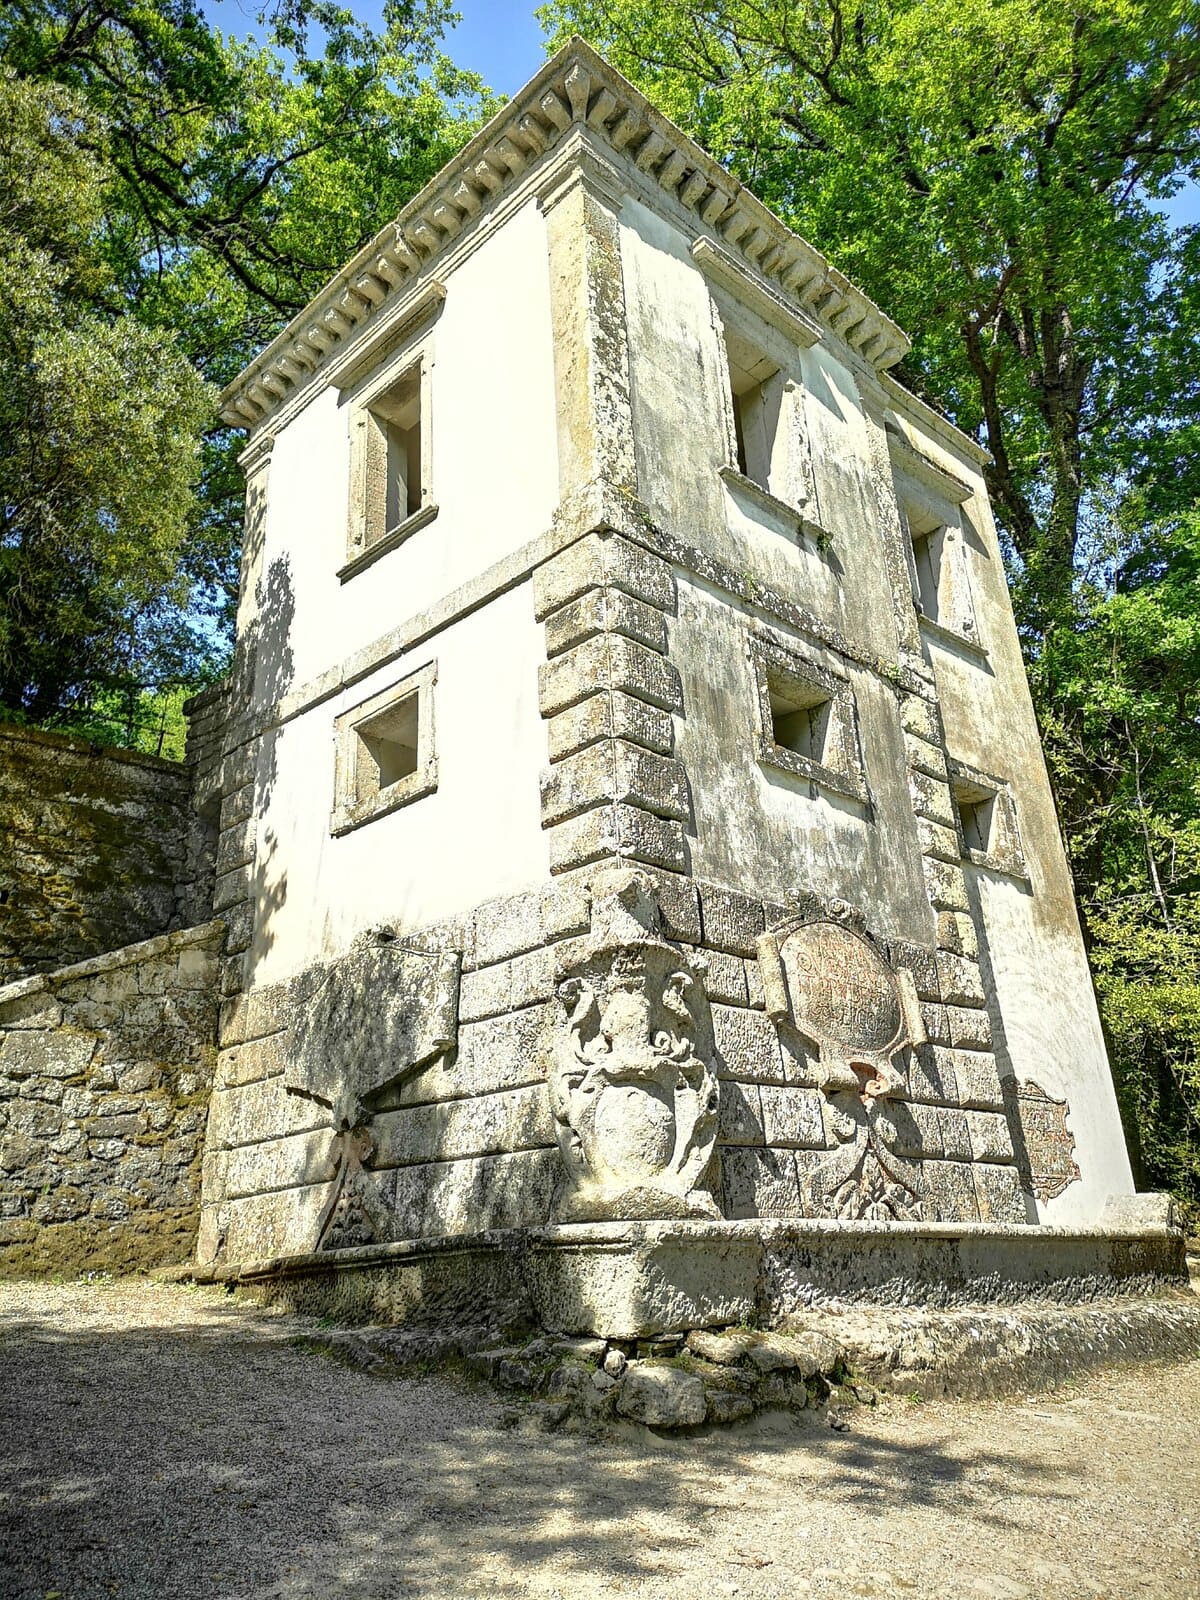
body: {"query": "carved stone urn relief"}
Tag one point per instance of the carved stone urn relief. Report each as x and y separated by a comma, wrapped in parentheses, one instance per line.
(631, 1086)
(826, 978)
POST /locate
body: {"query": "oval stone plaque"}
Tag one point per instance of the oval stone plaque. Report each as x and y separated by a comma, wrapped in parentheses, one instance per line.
(841, 989)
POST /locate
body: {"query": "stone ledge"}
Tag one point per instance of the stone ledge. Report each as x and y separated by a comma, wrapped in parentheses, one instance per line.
(128, 955)
(633, 1280)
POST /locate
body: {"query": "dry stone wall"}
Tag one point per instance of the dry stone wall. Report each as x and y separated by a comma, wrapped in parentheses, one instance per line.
(98, 848)
(105, 1075)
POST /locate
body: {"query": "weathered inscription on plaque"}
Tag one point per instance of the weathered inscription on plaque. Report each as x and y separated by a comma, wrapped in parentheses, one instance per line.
(1049, 1143)
(840, 988)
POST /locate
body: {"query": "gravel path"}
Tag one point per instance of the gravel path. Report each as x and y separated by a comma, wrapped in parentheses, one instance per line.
(161, 1442)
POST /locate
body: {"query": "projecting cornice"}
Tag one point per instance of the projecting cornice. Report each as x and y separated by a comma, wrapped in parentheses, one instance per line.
(575, 88)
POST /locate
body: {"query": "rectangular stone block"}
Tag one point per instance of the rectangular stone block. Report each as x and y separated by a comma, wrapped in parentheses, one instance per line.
(924, 756)
(598, 560)
(620, 830)
(741, 1120)
(945, 885)
(921, 717)
(949, 1192)
(725, 978)
(615, 772)
(45, 1053)
(792, 1116)
(989, 1135)
(978, 1079)
(231, 1024)
(801, 1062)
(262, 1227)
(507, 986)
(759, 1183)
(608, 662)
(235, 847)
(239, 926)
(610, 714)
(956, 933)
(267, 1010)
(261, 1110)
(503, 1052)
(237, 807)
(999, 1195)
(921, 964)
(931, 798)
(488, 1125)
(747, 1045)
(960, 979)
(937, 840)
(731, 921)
(521, 922)
(468, 1196)
(956, 1134)
(231, 888)
(290, 1163)
(605, 611)
(678, 903)
(931, 1074)
(969, 1030)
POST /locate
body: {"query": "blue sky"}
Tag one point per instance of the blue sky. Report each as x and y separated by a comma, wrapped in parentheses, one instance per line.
(499, 39)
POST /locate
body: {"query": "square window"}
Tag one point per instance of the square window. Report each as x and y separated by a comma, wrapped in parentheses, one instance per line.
(987, 821)
(806, 719)
(384, 752)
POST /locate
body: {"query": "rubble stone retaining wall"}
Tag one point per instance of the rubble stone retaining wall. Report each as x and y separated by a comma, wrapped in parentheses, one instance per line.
(98, 848)
(105, 1073)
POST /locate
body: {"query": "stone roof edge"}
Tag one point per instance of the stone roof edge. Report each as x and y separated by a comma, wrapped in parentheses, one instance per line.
(576, 86)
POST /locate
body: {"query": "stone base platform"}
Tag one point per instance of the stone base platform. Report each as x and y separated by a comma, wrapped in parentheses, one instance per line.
(630, 1281)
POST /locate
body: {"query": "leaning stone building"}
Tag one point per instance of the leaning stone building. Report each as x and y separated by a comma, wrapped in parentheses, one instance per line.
(633, 830)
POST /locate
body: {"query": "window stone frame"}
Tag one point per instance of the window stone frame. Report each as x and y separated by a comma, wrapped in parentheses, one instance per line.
(415, 350)
(772, 662)
(1005, 853)
(349, 812)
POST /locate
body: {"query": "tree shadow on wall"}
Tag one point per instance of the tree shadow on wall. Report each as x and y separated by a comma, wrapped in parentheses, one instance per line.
(223, 1461)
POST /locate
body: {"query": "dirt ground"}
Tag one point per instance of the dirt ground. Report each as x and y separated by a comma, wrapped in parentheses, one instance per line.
(162, 1441)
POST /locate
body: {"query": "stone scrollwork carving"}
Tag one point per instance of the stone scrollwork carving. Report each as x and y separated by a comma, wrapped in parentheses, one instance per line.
(631, 1085)
(359, 1027)
(825, 977)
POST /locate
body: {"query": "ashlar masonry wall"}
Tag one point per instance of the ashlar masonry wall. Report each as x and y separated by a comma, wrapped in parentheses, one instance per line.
(105, 1073)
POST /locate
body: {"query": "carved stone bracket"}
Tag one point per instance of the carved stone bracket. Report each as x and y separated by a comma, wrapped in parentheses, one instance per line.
(824, 976)
(631, 1087)
(359, 1027)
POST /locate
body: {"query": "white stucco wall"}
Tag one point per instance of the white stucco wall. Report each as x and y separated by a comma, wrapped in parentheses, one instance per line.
(494, 461)
(478, 835)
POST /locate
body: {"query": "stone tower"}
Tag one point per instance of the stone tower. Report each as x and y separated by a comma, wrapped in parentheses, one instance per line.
(631, 804)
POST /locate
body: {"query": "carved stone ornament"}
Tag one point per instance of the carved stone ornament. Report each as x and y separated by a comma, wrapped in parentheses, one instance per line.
(359, 1027)
(630, 1083)
(825, 977)
(1049, 1143)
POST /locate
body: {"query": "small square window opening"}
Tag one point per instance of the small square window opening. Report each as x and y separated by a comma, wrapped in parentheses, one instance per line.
(801, 719)
(976, 815)
(384, 750)
(388, 749)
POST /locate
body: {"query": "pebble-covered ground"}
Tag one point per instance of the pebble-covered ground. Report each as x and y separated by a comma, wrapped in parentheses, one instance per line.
(166, 1442)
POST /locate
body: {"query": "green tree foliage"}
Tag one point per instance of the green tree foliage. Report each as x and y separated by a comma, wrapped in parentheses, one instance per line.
(221, 183)
(99, 423)
(988, 171)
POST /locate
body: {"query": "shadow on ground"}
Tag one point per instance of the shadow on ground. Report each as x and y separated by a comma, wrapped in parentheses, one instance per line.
(147, 1452)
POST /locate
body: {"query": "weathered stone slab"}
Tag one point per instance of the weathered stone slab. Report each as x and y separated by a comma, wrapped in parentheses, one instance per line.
(367, 1020)
(487, 1125)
